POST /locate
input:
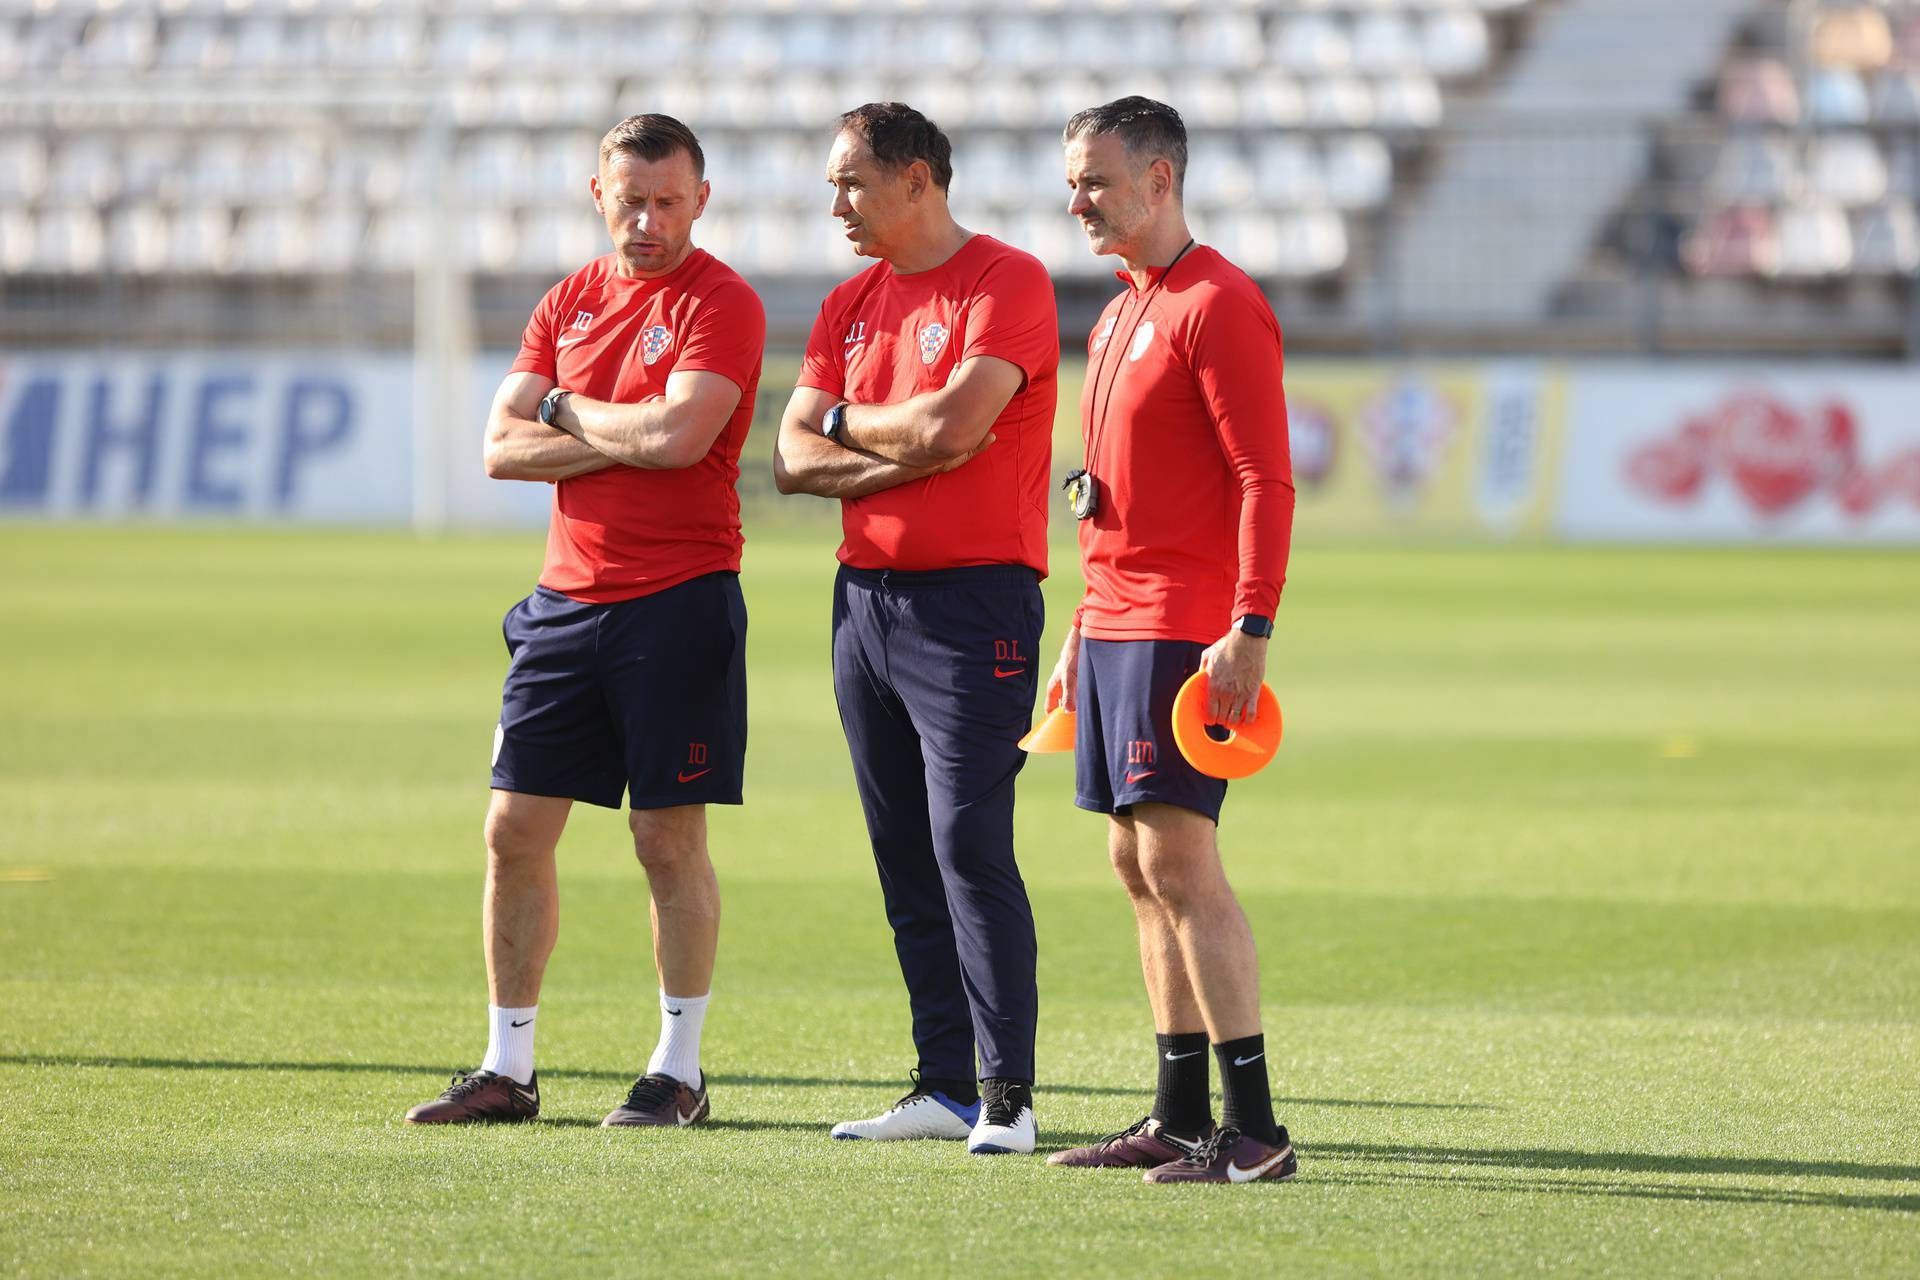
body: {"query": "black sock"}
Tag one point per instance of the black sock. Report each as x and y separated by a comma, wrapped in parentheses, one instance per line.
(963, 1091)
(1181, 1102)
(1243, 1078)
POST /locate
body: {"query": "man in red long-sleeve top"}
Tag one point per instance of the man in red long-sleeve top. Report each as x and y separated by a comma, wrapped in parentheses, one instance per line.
(1186, 511)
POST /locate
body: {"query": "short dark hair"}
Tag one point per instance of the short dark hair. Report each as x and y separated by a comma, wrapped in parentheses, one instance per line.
(898, 135)
(1149, 130)
(653, 137)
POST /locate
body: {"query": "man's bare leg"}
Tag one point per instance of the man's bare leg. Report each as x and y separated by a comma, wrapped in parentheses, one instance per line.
(520, 914)
(671, 845)
(1179, 867)
(519, 921)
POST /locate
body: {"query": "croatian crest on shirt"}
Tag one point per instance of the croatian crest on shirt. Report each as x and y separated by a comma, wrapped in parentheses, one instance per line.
(933, 340)
(654, 343)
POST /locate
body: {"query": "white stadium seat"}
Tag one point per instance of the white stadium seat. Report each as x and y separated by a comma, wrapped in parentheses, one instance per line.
(1753, 170)
(23, 168)
(1359, 171)
(199, 239)
(1454, 44)
(1385, 44)
(1311, 45)
(1848, 169)
(1886, 240)
(1288, 173)
(1815, 240)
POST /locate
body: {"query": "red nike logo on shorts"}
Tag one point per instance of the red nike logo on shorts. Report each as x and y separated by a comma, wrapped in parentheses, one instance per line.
(1004, 674)
(1135, 777)
(689, 777)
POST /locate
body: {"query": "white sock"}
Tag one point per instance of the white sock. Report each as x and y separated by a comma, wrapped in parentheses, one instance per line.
(510, 1042)
(678, 1053)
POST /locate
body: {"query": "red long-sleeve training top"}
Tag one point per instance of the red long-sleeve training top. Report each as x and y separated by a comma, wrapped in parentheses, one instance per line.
(1185, 425)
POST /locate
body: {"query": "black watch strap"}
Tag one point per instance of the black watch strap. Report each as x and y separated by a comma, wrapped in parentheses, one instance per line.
(1255, 625)
(836, 422)
(549, 405)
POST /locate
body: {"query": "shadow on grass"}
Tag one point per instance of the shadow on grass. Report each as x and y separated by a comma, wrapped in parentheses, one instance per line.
(1615, 1161)
(1632, 1191)
(129, 1063)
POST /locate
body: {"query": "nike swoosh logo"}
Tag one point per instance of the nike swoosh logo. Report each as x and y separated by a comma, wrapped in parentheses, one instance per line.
(1236, 1174)
(1002, 674)
(519, 1024)
(1135, 777)
(1175, 1057)
(689, 777)
(1241, 1062)
(676, 1012)
(531, 1099)
(567, 342)
(684, 1117)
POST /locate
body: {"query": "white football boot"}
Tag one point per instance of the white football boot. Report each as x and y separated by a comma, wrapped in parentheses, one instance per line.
(1006, 1120)
(922, 1113)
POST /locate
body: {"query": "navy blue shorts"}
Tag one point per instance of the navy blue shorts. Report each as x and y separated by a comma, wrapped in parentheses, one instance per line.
(647, 696)
(1123, 749)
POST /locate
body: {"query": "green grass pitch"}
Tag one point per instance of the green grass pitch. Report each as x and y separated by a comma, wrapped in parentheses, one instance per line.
(1587, 887)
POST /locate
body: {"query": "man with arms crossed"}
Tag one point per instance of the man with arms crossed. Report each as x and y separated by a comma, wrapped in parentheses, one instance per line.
(925, 404)
(1186, 511)
(632, 393)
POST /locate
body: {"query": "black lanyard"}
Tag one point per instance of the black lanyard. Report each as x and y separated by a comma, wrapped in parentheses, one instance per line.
(1100, 419)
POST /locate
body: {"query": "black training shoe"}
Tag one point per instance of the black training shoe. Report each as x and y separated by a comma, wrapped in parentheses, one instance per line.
(481, 1097)
(658, 1101)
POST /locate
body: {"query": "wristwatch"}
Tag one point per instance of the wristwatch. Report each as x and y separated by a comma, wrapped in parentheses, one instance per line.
(550, 405)
(1255, 625)
(836, 422)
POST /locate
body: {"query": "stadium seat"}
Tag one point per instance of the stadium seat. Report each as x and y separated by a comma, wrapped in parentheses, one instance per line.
(1272, 100)
(1311, 243)
(1454, 44)
(23, 169)
(1886, 240)
(1408, 102)
(138, 234)
(1758, 91)
(1838, 97)
(199, 240)
(1252, 242)
(1903, 171)
(1359, 171)
(1896, 98)
(85, 171)
(1207, 101)
(1221, 40)
(1848, 169)
(1340, 102)
(1856, 37)
(1738, 241)
(118, 44)
(1815, 240)
(336, 237)
(1288, 173)
(1217, 175)
(270, 242)
(1384, 44)
(1311, 44)
(1753, 169)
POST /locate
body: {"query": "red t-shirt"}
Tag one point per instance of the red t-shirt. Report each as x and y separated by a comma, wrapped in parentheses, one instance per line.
(1185, 424)
(881, 338)
(632, 531)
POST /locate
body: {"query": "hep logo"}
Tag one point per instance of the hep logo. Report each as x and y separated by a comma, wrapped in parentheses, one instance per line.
(1774, 456)
(1007, 659)
(654, 343)
(697, 765)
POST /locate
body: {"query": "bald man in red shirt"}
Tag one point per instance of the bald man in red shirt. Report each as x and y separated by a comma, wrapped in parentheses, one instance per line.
(1185, 503)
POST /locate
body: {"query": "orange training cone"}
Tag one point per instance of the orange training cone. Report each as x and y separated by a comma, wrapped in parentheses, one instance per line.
(1055, 733)
(1247, 748)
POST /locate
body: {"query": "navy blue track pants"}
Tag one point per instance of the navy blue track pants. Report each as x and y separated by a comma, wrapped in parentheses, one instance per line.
(935, 674)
